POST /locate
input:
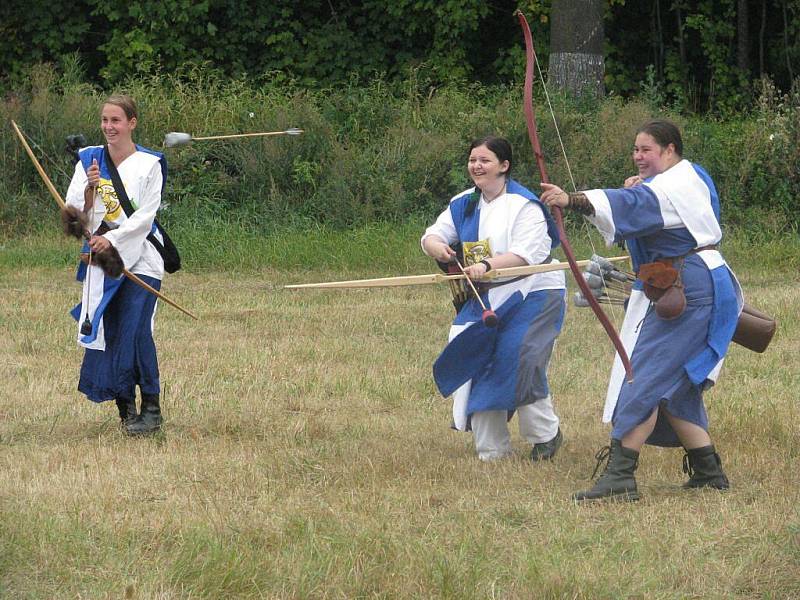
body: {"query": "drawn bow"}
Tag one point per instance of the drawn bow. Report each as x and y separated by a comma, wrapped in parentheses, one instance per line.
(57, 197)
(530, 120)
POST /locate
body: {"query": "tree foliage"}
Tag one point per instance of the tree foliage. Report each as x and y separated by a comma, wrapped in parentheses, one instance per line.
(697, 55)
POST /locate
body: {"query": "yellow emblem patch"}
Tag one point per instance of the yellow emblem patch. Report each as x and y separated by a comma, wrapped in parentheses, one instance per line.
(109, 197)
(475, 252)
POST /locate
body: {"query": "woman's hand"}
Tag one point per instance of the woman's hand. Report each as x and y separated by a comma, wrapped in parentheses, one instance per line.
(632, 181)
(438, 249)
(98, 243)
(554, 196)
(93, 174)
(476, 271)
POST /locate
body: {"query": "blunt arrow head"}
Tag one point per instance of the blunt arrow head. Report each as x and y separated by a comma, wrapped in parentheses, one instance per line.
(177, 138)
(489, 318)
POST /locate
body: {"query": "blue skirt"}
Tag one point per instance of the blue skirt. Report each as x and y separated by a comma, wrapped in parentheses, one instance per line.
(659, 358)
(130, 355)
(507, 364)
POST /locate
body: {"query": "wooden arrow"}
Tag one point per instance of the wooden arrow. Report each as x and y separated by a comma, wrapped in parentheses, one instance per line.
(407, 280)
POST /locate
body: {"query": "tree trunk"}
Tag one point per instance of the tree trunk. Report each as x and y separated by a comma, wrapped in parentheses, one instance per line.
(577, 36)
(742, 38)
(761, 38)
(681, 35)
(659, 55)
(786, 44)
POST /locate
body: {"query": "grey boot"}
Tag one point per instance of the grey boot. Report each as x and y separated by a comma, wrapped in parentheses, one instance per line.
(704, 468)
(617, 480)
(127, 410)
(149, 421)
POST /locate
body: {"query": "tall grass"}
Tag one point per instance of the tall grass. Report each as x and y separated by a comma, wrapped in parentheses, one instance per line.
(376, 153)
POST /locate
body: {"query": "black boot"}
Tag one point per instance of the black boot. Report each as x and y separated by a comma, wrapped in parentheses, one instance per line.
(127, 410)
(617, 480)
(547, 450)
(704, 468)
(150, 419)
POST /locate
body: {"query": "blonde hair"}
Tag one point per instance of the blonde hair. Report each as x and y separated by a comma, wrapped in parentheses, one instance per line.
(126, 103)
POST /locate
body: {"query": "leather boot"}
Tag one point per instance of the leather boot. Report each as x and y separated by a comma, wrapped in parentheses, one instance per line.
(127, 410)
(149, 421)
(616, 482)
(547, 450)
(704, 468)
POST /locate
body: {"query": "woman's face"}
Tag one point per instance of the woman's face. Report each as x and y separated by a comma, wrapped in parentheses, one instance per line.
(115, 124)
(484, 167)
(651, 158)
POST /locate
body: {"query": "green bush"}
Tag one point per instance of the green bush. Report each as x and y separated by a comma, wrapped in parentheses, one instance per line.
(377, 153)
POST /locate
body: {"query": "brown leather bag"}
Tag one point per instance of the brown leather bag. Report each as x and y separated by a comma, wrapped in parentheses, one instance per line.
(663, 287)
(755, 329)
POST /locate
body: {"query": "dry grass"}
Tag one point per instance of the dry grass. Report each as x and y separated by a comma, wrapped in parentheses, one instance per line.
(306, 453)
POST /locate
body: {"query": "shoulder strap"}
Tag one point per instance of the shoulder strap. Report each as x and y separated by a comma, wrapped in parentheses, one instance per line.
(125, 203)
(122, 195)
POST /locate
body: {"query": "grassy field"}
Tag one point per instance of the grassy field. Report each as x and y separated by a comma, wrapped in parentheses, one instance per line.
(306, 453)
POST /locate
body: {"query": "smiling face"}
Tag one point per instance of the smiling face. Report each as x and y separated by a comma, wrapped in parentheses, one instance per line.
(117, 128)
(486, 170)
(650, 157)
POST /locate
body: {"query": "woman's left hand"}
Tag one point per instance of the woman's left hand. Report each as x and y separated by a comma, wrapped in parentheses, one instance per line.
(633, 181)
(554, 196)
(476, 271)
(98, 243)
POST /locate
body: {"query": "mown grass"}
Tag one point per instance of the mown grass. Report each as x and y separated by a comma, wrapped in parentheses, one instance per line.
(306, 452)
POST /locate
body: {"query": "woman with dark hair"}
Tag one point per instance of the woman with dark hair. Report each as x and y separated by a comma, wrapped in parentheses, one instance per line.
(680, 317)
(115, 316)
(493, 372)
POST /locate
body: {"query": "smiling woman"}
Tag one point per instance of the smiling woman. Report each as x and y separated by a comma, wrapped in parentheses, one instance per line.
(493, 372)
(116, 191)
(680, 317)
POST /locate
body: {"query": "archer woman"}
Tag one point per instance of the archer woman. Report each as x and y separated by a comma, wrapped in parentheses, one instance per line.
(493, 372)
(114, 195)
(680, 317)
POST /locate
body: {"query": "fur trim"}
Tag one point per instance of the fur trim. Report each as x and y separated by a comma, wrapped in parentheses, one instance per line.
(74, 222)
(110, 261)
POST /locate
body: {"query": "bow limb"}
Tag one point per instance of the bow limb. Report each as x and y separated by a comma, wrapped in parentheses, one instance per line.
(57, 197)
(530, 120)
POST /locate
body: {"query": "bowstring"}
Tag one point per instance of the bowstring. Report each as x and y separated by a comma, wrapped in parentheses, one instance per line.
(584, 224)
(51, 161)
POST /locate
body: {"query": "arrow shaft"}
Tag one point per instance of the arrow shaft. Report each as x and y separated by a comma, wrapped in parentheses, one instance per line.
(240, 135)
(411, 280)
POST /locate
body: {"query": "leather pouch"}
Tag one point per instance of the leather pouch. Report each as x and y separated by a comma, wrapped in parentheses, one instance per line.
(663, 287)
(657, 277)
(755, 329)
(672, 303)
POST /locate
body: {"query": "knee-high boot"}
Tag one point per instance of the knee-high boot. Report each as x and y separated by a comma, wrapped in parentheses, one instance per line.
(149, 420)
(617, 481)
(704, 468)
